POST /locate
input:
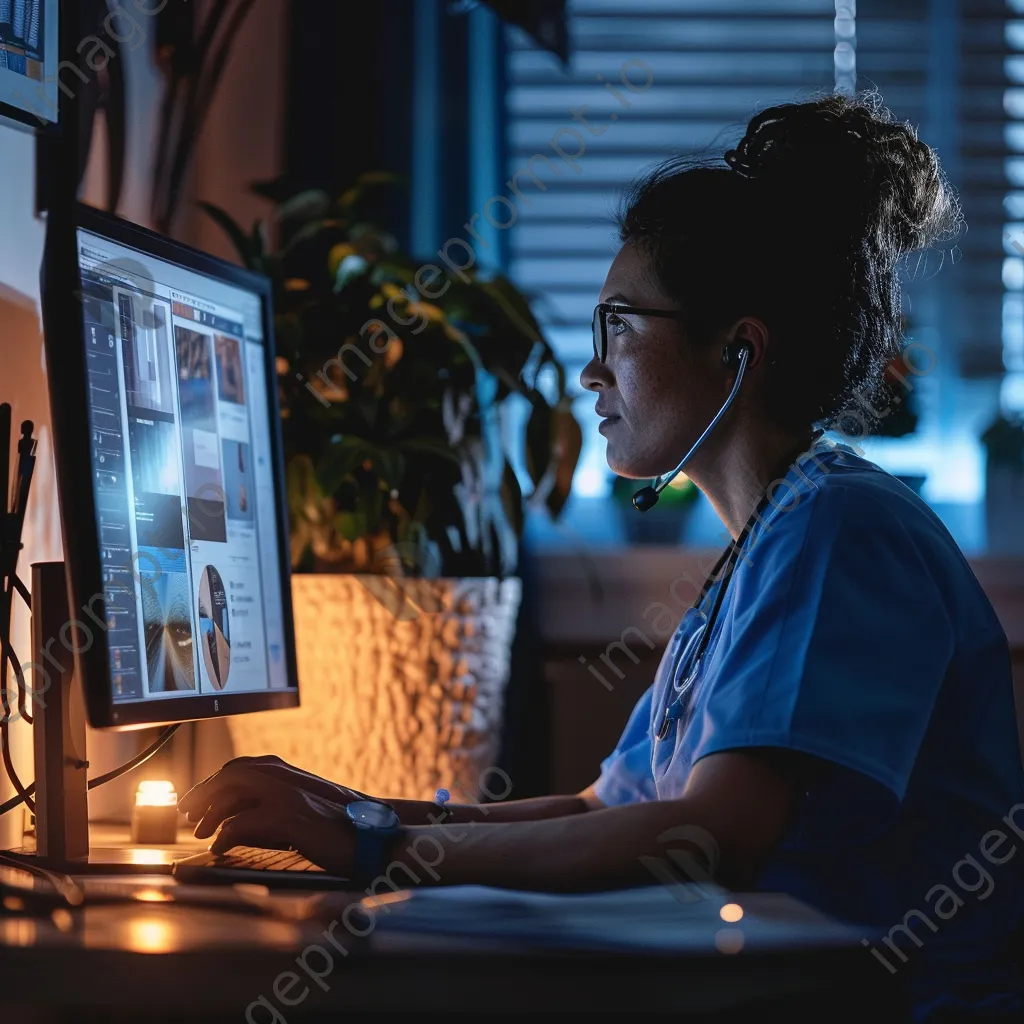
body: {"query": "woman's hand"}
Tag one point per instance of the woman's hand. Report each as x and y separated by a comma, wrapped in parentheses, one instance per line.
(291, 818)
(266, 785)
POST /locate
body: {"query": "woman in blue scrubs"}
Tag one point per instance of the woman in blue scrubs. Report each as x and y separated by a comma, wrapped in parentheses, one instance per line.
(834, 718)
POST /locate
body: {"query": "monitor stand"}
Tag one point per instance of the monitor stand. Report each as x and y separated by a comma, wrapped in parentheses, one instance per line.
(61, 766)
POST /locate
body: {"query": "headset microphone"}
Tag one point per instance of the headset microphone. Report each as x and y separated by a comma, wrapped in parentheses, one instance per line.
(738, 355)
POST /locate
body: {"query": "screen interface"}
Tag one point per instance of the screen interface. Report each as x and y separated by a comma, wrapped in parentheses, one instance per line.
(182, 476)
(28, 57)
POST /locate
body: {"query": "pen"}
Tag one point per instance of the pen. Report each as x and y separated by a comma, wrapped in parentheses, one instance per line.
(26, 464)
(5, 453)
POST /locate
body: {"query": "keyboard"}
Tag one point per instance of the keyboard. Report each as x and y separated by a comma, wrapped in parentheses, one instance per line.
(282, 869)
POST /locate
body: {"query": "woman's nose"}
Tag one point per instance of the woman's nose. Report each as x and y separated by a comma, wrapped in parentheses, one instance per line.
(595, 375)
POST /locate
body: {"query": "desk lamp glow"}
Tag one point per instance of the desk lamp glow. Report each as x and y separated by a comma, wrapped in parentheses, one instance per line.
(155, 814)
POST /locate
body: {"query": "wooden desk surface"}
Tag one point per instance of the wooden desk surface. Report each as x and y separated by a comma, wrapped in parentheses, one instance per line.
(153, 960)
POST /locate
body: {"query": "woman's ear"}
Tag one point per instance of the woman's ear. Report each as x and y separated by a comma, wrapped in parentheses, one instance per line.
(748, 333)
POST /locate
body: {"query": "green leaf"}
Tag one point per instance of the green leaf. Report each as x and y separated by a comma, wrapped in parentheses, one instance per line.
(433, 447)
(512, 498)
(388, 270)
(310, 231)
(390, 465)
(371, 502)
(514, 305)
(568, 445)
(301, 485)
(344, 457)
(538, 438)
(305, 206)
(239, 239)
(260, 241)
(350, 525)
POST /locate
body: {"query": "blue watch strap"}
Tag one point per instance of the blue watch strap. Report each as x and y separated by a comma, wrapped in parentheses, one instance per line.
(376, 824)
(371, 849)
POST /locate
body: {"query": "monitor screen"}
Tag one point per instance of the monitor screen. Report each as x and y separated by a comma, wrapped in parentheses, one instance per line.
(28, 60)
(188, 524)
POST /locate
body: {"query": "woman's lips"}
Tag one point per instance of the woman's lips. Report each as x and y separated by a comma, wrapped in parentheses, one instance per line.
(607, 422)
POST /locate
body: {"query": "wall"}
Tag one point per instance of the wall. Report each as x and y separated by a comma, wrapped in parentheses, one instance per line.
(23, 384)
(243, 141)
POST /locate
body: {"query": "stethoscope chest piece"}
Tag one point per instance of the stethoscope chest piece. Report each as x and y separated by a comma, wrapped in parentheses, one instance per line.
(668, 719)
(674, 711)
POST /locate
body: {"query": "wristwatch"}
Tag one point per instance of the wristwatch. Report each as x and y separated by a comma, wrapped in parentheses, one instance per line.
(376, 825)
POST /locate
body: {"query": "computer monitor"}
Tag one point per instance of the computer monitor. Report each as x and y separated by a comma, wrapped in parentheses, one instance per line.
(28, 61)
(172, 486)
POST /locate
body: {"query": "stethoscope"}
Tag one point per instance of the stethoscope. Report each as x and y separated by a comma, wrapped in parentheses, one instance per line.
(683, 678)
(696, 646)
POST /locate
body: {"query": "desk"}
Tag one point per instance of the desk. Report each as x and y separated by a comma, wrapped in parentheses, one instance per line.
(155, 961)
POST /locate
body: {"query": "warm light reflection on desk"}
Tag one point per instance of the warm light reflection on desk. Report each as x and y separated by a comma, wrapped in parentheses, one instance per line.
(152, 896)
(729, 940)
(139, 927)
(151, 935)
(146, 855)
(18, 931)
(63, 920)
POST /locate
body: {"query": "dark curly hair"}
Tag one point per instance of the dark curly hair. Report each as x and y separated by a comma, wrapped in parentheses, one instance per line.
(803, 229)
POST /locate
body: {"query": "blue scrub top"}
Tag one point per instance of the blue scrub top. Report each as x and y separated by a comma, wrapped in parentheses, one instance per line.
(854, 630)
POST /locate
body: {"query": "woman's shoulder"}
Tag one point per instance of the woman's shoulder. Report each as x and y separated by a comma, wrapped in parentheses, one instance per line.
(855, 520)
(838, 482)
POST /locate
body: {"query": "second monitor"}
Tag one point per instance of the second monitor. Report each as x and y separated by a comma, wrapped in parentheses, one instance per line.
(28, 60)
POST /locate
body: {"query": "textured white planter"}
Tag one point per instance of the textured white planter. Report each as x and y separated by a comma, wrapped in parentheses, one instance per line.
(402, 684)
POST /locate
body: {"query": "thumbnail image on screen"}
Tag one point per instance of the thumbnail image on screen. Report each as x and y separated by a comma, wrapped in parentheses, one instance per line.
(183, 477)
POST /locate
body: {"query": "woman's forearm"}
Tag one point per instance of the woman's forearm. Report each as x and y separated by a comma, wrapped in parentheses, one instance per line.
(422, 812)
(607, 848)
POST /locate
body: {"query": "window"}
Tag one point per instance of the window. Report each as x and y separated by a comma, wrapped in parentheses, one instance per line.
(647, 78)
(1013, 208)
(939, 65)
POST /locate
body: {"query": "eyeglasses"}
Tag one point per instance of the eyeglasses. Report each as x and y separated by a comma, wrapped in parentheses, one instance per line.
(605, 309)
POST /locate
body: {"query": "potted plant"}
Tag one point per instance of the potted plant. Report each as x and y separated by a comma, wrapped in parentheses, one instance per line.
(663, 524)
(1004, 483)
(396, 382)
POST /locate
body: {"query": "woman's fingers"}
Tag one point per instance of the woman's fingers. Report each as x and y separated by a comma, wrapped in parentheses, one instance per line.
(260, 776)
(196, 800)
(226, 802)
(257, 827)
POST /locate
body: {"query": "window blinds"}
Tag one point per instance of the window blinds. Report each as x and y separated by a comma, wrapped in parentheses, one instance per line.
(712, 64)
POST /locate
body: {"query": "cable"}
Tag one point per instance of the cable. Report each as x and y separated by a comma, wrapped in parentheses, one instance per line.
(138, 759)
(16, 584)
(24, 795)
(7, 655)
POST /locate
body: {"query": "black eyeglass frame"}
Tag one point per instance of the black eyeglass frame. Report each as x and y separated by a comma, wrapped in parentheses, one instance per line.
(599, 325)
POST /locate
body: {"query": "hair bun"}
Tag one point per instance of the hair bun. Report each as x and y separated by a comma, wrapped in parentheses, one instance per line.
(852, 157)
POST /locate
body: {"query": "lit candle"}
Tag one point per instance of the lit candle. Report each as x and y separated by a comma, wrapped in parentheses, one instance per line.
(155, 814)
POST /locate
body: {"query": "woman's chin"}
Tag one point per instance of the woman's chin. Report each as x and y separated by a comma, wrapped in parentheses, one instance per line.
(626, 467)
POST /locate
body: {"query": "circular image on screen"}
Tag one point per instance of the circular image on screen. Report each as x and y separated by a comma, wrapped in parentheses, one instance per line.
(213, 627)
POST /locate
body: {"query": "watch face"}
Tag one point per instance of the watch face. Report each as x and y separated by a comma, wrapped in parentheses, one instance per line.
(372, 814)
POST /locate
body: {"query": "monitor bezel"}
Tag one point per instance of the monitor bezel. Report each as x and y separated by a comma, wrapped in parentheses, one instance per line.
(73, 457)
(21, 119)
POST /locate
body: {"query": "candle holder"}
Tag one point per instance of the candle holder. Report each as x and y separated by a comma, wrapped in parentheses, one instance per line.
(155, 814)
